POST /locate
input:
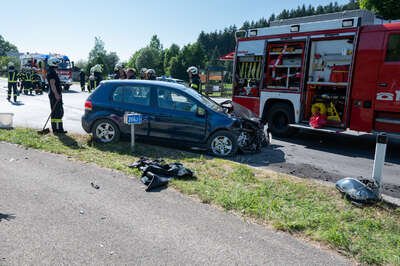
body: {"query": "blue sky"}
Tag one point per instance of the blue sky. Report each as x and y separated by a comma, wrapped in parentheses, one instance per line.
(69, 26)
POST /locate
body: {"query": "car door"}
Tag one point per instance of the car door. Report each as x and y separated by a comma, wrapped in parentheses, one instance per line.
(176, 117)
(133, 98)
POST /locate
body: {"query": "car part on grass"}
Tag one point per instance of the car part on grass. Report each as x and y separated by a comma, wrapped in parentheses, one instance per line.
(153, 181)
(365, 191)
(156, 173)
(359, 192)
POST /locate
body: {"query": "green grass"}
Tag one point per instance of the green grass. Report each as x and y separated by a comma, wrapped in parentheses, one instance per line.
(301, 207)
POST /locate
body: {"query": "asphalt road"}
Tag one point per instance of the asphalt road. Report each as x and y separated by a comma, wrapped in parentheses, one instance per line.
(51, 215)
(327, 157)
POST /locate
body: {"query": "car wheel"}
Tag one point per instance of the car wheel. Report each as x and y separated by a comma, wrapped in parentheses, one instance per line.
(105, 131)
(279, 118)
(223, 144)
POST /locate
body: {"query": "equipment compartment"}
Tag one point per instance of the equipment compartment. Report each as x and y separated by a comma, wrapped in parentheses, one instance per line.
(284, 66)
(248, 69)
(326, 96)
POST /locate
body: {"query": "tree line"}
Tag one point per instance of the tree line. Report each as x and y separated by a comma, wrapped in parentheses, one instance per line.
(209, 46)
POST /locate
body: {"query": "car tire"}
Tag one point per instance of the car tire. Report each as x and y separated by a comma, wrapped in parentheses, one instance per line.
(105, 131)
(279, 117)
(223, 144)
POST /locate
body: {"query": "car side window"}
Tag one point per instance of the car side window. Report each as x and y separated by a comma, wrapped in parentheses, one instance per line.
(393, 49)
(138, 95)
(171, 100)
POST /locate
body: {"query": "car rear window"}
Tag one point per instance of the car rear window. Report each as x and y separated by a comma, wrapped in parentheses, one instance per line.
(138, 95)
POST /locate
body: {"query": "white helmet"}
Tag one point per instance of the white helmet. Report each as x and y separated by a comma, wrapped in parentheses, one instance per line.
(53, 62)
(193, 70)
(10, 64)
(97, 68)
(118, 66)
(151, 74)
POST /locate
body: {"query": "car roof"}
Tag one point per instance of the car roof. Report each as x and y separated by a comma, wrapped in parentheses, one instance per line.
(145, 82)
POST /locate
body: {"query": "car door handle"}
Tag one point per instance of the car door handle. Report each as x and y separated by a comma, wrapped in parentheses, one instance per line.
(382, 84)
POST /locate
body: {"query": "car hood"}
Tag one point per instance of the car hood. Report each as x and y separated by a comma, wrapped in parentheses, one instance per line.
(239, 111)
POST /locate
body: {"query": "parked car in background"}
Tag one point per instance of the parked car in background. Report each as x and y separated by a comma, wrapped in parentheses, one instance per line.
(172, 113)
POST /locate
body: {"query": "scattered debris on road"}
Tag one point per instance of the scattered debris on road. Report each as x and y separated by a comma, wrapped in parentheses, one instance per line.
(95, 186)
(157, 173)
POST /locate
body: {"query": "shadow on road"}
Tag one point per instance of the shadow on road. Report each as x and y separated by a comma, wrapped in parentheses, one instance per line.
(147, 148)
(362, 146)
(17, 103)
(70, 92)
(7, 217)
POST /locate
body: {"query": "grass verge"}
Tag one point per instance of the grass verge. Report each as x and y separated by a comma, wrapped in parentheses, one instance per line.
(301, 207)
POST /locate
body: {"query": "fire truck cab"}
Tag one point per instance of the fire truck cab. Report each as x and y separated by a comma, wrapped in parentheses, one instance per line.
(344, 71)
(38, 64)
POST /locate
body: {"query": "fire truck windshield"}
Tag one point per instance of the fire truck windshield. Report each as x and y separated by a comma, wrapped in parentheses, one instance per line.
(65, 64)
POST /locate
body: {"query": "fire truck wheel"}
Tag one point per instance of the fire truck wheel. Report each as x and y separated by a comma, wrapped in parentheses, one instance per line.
(279, 117)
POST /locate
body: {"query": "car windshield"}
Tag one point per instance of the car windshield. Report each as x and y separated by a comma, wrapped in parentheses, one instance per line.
(204, 100)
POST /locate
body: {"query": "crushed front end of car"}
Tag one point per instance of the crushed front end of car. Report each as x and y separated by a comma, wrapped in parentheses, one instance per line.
(250, 130)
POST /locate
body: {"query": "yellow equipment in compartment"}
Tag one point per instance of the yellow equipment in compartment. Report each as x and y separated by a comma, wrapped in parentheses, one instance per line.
(330, 111)
(251, 69)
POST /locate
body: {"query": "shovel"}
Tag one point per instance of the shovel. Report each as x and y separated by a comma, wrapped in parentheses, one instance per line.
(45, 130)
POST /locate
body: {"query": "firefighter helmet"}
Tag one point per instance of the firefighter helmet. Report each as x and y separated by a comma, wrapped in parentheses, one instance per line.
(150, 74)
(97, 68)
(143, 72)
(10, 64)
(193, 70)
(118, 67)
(53, 62)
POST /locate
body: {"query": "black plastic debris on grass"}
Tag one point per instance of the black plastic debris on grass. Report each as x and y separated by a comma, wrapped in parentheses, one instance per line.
(157, 173)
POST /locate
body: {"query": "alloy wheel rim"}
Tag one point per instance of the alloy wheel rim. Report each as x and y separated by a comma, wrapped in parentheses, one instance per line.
(221, 145)
(105, 132)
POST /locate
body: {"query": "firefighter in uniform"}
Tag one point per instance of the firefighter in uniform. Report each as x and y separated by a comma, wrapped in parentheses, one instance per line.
(95, 77)
(82, 80)
(131, 73)
(55, 96)
(12, 82)
(36, 84)
(195, 82)
(28, 82)
(22, 77)
(143, 73)
(151, 74)
(119, 71)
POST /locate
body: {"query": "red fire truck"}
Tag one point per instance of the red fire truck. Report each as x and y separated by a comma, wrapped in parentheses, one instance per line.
(325, 74)
(37, 62)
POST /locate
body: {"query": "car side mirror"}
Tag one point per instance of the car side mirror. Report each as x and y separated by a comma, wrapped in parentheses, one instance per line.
(200, 112)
